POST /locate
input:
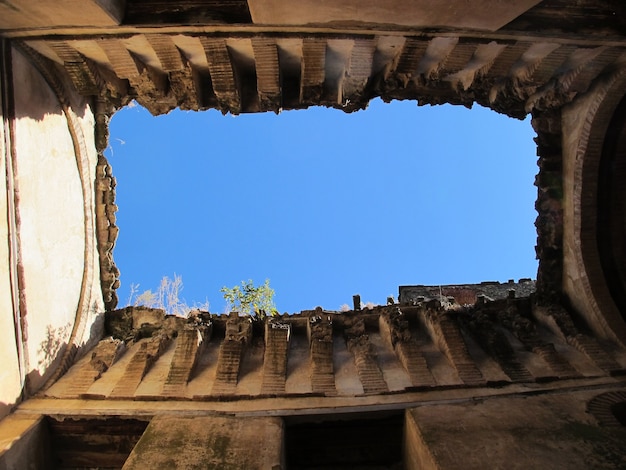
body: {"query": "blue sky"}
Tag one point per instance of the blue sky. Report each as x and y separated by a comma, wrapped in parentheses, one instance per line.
(324, 204)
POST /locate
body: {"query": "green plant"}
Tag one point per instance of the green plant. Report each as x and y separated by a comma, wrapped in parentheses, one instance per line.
(249, 299)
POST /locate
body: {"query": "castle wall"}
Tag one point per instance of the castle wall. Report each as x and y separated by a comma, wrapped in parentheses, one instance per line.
(50, 295)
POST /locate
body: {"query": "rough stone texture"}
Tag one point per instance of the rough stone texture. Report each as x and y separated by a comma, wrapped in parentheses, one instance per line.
(551, 431)
(376, 351)
(238, 335)
(466, 293)
(189, 345)
(141, 362)
(549, 202)
(394, 327)
(277, 336)
(359, 345)
(99, 360)
(107, 229)
(320, 335)
(209, 443)
(447, 335)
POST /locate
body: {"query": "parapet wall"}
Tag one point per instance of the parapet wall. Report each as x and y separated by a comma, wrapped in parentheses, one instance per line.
(424, 343)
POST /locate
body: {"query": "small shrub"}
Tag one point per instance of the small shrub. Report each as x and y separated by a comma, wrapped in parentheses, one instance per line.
(249, 299)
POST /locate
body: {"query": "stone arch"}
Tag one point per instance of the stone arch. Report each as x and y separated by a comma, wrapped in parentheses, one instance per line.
(590, 124)
(603, 408)
(611, 221)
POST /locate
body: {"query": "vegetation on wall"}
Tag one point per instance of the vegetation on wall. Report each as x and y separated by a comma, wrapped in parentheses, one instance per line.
(167, 297)
(248, 299)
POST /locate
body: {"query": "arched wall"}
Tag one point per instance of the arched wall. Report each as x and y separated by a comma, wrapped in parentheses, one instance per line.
(585, 126)
(50, 296)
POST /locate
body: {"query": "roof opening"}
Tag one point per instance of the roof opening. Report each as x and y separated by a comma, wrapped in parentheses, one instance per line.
(324, 204)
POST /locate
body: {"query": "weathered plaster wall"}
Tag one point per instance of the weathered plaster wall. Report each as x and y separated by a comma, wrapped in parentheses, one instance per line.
(481, 15)
(9, 372)
(549, 431)
(51, 234)
(56, 268)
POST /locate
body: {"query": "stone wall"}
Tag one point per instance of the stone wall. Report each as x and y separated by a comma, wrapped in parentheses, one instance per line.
(550, 431)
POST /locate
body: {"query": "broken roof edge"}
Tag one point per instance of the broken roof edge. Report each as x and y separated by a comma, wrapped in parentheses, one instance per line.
(468, 293)
(453, 294)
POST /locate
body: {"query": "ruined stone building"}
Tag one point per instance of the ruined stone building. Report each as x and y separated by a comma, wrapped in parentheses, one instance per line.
(512, 375)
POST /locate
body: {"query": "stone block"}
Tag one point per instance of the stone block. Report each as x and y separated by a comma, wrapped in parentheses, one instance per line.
(207, 442)
(513, 433)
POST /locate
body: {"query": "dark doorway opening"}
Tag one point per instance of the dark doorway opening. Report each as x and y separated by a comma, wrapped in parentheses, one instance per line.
(78, 443)
(619, 411)
(345, 442)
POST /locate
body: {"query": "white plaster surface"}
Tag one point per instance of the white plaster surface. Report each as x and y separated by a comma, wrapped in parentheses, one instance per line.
(9, 372)
(50, 205)
(480, 14)
(37, 13)
(52, 226)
